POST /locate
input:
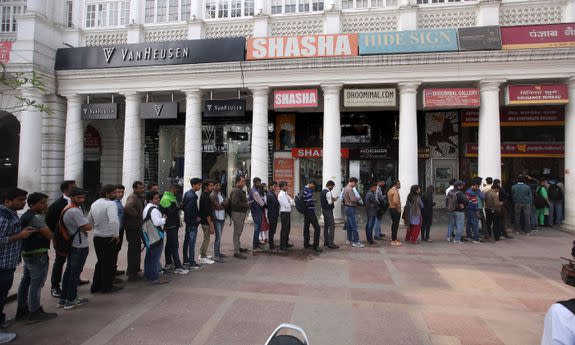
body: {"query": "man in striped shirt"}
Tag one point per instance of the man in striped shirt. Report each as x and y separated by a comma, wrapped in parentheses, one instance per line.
(310, 218)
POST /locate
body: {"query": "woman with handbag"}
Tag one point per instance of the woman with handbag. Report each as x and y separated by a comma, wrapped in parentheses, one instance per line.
(153, 237)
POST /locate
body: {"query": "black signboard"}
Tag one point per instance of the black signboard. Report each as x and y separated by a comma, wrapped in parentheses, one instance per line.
(480, 38)
(225, 108)
(368, 153)
(100, 111)
(152, 54)
(159, 110)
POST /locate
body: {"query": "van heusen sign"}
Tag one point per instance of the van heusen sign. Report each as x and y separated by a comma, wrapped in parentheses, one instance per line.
(151, 54)
(295, 98)
(289, 47)
(451, 97)
(409, 41)
(369, 98)
(536, 94)
(159, 110)
(225, 108)
(479, 38)
(538, 36)
(99, 111)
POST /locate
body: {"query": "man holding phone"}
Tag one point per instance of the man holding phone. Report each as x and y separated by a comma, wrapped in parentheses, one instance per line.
(11, 236)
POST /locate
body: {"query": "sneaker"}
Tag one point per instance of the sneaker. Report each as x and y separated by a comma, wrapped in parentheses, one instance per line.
(7, 323)
(222, 256)
(169, 267)
(22, 313)
(181, 271)
(457, 242)
(476, 242)
(206, 261)
(348, 242)
(358, 245)
(317, 249)
(243, 250)
(257, 249)
(75, 303)
(40, 315)
(196, 267)
(61, 303)
(7, 337)
(56, 292)
(449, 239)
(240, 256)
(219, 260)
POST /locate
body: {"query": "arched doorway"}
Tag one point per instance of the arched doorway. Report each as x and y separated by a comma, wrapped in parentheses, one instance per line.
(92, 163)
(10, 134)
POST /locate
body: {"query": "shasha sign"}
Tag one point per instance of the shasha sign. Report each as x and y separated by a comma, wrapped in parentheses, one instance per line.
(288, 47)
(452, 97)
(536, 94)
(314, 152)
(295, 98)
(538, 36)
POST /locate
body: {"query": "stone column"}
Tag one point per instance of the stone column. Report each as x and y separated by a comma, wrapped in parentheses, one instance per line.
(260, 155)
(569, 191)
(489, 139)
(408, 170)
(74, 142)
(30, 151)
(132, 168)
(193, 137)
(332, 142)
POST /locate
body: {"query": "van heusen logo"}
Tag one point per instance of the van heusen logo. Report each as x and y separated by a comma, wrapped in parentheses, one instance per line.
(158, 108)
(224, 108)
(99, 111)
(108, 53)
(147, 53)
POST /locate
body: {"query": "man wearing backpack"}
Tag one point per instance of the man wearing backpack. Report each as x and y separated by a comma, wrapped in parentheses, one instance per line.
(522, 200)
(327, 206)
(169, 207)
(310, 218)
(555, 195)
(456, 204)
(77, 226)
(36, 262)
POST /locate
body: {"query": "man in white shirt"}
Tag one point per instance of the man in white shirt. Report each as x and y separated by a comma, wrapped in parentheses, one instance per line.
(104, 215)
(286, 203)
(559, 327)
(451, 186)
(327, 206)
(219, 207)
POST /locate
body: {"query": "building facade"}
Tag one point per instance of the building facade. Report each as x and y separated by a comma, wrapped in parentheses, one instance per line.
(163, 90)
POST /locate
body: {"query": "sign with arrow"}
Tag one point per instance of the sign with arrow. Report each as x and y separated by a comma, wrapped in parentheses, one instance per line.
(99, 111)
(159, 110)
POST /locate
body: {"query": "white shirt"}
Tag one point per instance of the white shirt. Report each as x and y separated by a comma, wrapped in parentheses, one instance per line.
(220, 214)
(285, 201)
(329, 197)
(559, 327)
(156, 215)
(449, 189)
(104, 215)
(67, 199)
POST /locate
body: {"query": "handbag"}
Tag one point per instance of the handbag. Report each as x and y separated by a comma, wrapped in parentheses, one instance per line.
(151, 234)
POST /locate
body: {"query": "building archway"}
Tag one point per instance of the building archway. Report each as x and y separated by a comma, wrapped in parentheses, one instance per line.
(10, 134)
(92, 162)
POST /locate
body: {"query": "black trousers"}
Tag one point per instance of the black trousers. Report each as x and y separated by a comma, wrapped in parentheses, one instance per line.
(105, 270)
(311, 218)
(273, 226)
(285, 229)
(57, 270)
(426, 226)
(395, 218)
(493, 223)
(171, 251)
(134, 251)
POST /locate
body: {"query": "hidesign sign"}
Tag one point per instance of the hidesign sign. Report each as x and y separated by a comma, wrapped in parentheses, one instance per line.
(284, 171)
(369, 97)
(314, 152)
(548, 116)
(368, 153)
(533, 149)
(159, 110)
(451, 98)
(479, 38)
(288, 47)
(538, 36)
(5, 48)
(295, 98)
(150, 54)
(225, 108)
(99, 111)
(409, 41)
(536, 94)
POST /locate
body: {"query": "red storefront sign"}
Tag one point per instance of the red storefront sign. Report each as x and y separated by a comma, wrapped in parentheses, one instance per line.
(450, 98)
(5, 48)
(548, 116)
(538, 36)
(537, 150)
(295, 98)
(536, 94)
(284, 171)
(307, 46)
(314, 152)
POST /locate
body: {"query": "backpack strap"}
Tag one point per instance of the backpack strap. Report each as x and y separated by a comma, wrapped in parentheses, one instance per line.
(61, 221)
(570, 305)
(149, 214)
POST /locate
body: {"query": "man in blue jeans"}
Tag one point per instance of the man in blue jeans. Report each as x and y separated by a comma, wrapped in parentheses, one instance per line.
(257, 203)
(474, 199)
(192, 221)
(457, 216)
(35, 256)
(351, 199)
(77, 226)
(169, 207)
(219, 207)
(11, 236)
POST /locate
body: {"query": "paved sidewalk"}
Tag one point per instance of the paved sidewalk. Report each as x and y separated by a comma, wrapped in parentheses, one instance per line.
(433, 293)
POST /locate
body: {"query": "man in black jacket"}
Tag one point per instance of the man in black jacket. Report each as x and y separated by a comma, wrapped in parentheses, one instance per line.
(273, 206)
(169, 207)
(52, 218)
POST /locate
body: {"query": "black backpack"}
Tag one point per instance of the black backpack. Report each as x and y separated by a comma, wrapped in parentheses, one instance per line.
(555, 193)
(299, 202)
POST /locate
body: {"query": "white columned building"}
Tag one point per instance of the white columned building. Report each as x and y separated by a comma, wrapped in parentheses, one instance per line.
(331, 169)
(132, 169)
(193, 137)
(30, 151)
(569, 192)
(407, 157)
(74, 142)
(489, 138)
(259, 147)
